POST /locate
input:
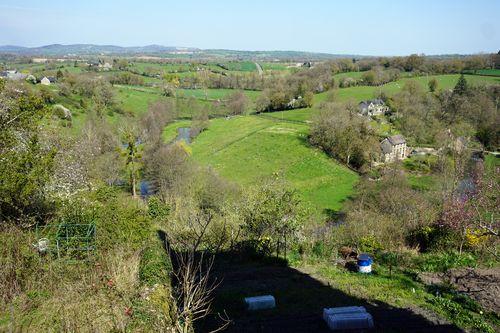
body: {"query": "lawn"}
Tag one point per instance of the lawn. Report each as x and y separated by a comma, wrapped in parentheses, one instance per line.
(249, 149)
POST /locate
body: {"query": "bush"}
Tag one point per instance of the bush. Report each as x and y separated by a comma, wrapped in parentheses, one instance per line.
(119, 220)
(429, 238)
(370, 244)
(155, 265)
(420, 164)
(440, 262)
(157, 209)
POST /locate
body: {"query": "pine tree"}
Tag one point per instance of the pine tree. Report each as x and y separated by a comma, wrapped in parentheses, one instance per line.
(461, 87)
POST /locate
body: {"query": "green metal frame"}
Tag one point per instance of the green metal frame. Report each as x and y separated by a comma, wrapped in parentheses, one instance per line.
(69, 240)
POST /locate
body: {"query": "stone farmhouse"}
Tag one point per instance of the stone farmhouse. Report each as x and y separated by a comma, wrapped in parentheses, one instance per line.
(394, 148)
(373, 107)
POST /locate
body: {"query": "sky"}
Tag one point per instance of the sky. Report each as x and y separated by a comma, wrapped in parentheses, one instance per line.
(362, 27)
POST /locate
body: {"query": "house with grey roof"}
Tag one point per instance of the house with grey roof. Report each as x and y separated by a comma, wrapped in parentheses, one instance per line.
(373, 107)
(394, 148)
(13, 75)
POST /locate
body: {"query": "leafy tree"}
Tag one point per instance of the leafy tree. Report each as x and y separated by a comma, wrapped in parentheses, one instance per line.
(122, 63)
(344, 135)
(461, 88)
(272, 216)
(496, 60)
(237, 102)
(59, 74)
(200, 120)
(26, 160)
(413, 62)
(433, 84)
(263, 102)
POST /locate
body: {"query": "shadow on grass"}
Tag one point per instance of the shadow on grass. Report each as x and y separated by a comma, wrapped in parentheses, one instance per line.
(300, 299)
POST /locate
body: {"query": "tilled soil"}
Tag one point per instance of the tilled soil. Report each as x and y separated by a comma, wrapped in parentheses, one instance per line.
(481, 284)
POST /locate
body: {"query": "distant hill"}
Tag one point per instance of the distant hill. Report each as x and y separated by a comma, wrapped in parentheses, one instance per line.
(90, 49)
(163, 51)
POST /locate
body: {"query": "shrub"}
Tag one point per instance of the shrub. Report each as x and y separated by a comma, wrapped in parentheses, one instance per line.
(440, 262)
(155, 265)
(370, 244)
(432, 237)
(157, 209)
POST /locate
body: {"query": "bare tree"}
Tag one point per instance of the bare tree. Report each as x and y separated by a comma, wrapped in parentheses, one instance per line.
(194, 290)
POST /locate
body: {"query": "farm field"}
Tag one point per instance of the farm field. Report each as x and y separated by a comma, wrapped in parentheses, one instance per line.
(248, 149)
(214, 94)
(136, 101)
(274, 66)
(241, 66)
(492, 72)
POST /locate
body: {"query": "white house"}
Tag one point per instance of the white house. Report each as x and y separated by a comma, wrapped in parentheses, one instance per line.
(394, 148)
(373, 107)
(45, 81)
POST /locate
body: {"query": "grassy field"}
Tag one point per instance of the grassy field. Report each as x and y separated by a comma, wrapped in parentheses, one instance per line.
(354, 75)
(241, 66)
(214, 94)
(136, 101)
(493, 72)
(249, 149)
(274, 66)
(163, 68)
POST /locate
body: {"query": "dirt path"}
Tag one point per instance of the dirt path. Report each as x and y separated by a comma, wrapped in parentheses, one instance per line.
(259, 69)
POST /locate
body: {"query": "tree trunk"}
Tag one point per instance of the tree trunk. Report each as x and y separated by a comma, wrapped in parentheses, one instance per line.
(133, 181)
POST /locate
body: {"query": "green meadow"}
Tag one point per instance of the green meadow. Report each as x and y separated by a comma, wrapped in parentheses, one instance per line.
(214, 94)
(354, 75)
(241, 66)
(247, 149)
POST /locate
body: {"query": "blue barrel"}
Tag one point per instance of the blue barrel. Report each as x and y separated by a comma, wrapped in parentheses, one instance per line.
(364, 263)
